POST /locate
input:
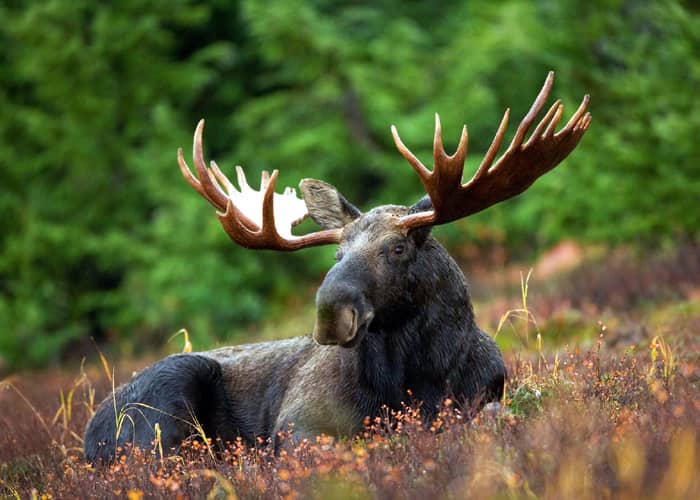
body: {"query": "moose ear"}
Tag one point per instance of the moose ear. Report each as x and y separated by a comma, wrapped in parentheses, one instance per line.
(422, 205)
(327, 207)
(419, 235)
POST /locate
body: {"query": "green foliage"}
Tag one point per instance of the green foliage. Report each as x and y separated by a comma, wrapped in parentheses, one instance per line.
(99, 236)
(635, 178)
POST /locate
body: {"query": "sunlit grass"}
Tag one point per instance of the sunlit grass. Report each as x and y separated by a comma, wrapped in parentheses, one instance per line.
(608, 417)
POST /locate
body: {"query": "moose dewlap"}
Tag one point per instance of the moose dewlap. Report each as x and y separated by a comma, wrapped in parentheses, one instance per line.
(392, 315)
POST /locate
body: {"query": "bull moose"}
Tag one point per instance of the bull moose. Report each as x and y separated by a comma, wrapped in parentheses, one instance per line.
(393, 314)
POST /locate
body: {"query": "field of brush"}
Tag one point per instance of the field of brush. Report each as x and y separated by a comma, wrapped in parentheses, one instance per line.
(603, 401)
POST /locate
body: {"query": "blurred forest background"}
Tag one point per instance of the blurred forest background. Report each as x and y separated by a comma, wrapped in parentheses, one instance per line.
(101, 237)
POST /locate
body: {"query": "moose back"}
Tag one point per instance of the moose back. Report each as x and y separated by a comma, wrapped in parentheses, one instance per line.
(392, 315)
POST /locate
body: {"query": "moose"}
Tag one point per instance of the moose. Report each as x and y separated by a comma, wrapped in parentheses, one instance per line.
(393, 314)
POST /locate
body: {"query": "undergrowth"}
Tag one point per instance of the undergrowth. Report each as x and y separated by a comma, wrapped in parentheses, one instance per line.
(613, 420)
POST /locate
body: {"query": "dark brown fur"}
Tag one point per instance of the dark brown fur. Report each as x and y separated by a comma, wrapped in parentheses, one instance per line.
(393, 315)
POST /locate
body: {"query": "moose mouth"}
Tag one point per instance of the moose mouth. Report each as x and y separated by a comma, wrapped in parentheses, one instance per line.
(341, 325)
(359, 335)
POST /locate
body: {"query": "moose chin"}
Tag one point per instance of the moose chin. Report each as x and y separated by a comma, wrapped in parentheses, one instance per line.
(393, 314)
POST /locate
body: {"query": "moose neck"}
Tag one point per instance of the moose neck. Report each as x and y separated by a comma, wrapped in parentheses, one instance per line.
(412, 344)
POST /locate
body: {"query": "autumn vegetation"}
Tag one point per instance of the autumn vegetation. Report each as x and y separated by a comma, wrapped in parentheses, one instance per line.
(100, 237)
(108, 260)
(609, 411)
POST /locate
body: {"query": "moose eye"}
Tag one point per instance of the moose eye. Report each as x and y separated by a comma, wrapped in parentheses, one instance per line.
(398, 249)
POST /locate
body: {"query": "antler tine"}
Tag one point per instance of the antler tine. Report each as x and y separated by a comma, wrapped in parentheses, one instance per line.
(461, 154)
(268, 208)
(213, 190)
(578, 114)
(420, 169)
(231, 190)
(493, 148)
(242, 181)
(190, 178)
(264, 179)
(554, 121)
(438, 149)
(586, 121)
(556, 108)
(194, 182)
(531, 115)
(221, 178)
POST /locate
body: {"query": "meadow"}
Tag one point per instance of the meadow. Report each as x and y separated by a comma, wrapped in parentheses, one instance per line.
(603, 401)
(106, 253)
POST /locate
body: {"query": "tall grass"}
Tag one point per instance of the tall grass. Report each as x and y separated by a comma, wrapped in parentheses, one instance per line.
(614, 420)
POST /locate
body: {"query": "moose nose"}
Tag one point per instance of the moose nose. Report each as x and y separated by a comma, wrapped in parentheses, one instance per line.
(335, 324)
(342, 305)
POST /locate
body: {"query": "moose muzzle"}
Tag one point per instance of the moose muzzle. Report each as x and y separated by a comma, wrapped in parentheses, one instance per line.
(335, 324)
(339, 322)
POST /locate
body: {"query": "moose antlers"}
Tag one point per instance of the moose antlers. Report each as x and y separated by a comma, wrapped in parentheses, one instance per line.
(264, 219)
(252, 218)
(520, 166)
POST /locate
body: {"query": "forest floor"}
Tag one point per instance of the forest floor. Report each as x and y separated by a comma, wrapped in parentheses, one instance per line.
(603, 401)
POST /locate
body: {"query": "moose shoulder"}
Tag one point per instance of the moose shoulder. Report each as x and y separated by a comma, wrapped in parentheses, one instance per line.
(392, 315)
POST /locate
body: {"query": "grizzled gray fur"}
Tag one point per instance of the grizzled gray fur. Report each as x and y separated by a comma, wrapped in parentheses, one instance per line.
(392, 315)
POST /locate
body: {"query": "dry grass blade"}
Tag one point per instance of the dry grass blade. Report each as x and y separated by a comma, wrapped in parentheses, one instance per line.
(105, 365)
(9, 385)
(659, 346)
(186, 334)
